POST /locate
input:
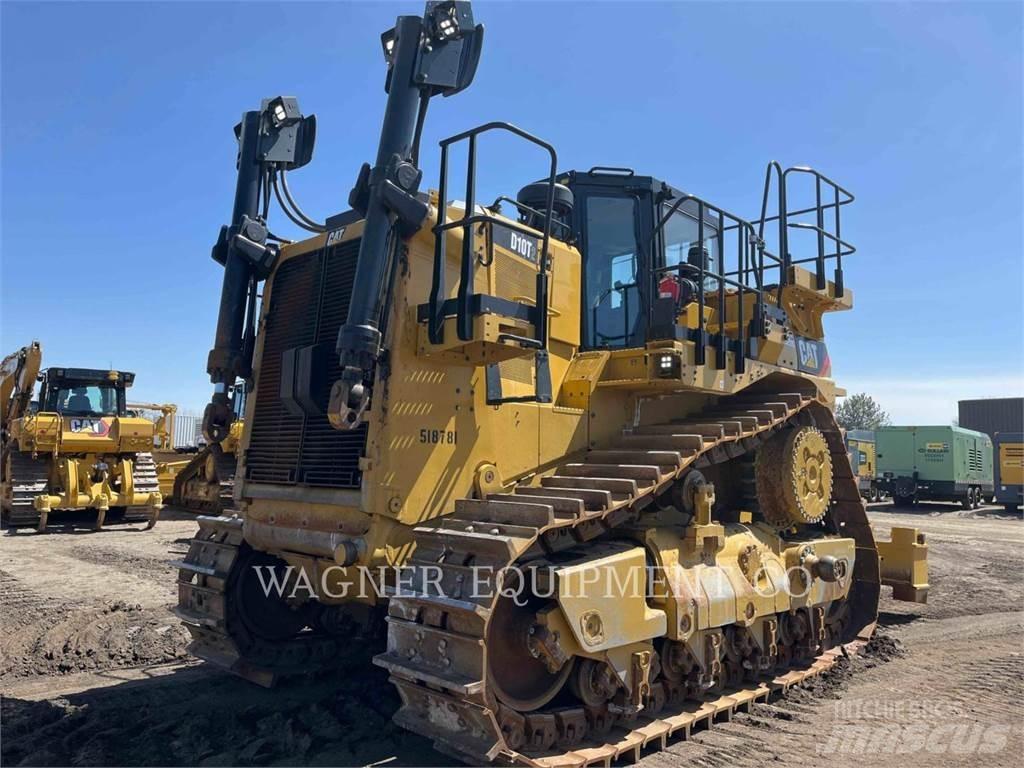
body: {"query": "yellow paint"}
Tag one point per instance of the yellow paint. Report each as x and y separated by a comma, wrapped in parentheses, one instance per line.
(604, 601)
(430, 427)
(903, 562)
(1011, 463)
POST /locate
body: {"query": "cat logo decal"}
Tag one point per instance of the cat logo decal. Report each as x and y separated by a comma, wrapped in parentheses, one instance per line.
(89, 426)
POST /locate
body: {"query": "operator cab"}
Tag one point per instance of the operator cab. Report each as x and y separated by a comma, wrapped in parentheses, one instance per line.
(84, 391)
(659, 266)
(617, 224)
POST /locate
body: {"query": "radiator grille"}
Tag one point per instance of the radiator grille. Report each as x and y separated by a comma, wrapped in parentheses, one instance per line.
(309, 303)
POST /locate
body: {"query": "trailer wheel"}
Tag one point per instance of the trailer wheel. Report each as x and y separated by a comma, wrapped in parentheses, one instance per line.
(967, 502)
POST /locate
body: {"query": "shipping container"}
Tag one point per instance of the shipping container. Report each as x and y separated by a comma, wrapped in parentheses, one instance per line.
(992, 415)
(860, 445)
(188, 432)
(1009, 465)
(934, 463)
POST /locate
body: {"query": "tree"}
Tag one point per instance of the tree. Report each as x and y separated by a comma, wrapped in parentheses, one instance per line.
(860, 411)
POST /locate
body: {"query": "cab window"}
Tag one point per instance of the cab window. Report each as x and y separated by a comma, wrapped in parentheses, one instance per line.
(682, 241)
(612, 304)
(84, 400)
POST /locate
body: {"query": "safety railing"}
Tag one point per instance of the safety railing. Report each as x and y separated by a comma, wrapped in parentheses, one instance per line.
(753, 259)
(829, 196)
(438, 309)
(746, 279)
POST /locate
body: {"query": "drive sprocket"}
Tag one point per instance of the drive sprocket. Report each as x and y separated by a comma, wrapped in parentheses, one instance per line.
(794, 477)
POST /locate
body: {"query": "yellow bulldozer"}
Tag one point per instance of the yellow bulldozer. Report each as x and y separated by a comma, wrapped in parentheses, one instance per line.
(204, 482)
(163, 416)
(75, 447)
(581, 454)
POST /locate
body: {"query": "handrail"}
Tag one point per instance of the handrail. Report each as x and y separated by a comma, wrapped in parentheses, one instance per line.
(818, 174)
(746, 242)
(820, 280)
(753, 258)
(464, 320)
(611, 170)
(840, 197)
(495, 206)
(823, 233)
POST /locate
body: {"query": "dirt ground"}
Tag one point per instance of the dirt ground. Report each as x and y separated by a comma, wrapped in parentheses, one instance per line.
(93, 669)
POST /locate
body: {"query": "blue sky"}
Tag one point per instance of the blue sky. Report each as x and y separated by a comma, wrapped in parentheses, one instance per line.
(118, 156)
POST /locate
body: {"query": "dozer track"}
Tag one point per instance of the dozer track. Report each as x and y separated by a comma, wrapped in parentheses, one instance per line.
(28, 478)
(192, 486)
(145, 481)
(209, 605)
(438, 642)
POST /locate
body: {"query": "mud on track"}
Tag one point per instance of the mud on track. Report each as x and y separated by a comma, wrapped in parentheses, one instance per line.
(92, 669)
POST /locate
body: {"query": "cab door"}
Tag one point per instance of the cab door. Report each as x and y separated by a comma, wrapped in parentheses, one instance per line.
(614, 225)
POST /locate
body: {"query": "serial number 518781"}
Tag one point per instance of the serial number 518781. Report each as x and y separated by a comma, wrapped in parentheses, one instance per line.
(439, 436)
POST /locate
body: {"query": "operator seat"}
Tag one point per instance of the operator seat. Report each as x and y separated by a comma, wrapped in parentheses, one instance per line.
(79, 402)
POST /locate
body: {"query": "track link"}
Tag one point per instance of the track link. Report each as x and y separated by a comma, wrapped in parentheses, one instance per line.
(145, 480)
(437, 636)
(192, 486)
(209, 607)
(28, 478)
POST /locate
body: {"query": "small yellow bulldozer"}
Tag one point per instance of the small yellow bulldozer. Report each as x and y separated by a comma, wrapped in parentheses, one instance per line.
(201, 482)
(75, 447)
(205, 482)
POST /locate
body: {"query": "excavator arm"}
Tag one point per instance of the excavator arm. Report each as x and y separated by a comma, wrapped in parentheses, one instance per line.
(18, 374)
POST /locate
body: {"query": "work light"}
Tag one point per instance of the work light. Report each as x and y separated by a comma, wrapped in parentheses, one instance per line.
(445, 21)
(283, 111)
(387, 41)
(669, 366)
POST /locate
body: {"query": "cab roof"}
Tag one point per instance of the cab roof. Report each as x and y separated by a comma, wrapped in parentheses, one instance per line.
(97, 375)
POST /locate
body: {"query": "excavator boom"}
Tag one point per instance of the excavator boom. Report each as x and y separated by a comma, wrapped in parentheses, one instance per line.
(18, 374)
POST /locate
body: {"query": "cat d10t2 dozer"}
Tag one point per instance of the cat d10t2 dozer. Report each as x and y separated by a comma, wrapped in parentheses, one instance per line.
(75, 448)
(614, 403)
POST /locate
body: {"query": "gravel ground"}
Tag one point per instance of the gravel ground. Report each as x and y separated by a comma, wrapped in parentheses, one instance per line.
(93, 669)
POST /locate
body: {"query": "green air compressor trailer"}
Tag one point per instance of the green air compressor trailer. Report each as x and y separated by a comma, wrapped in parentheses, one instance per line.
(935, 464)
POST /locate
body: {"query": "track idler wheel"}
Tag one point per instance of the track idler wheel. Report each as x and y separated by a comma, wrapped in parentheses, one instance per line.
(266, 615)
(521, 675)
(593, 682)
(793, 473)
